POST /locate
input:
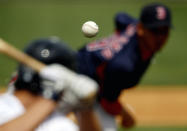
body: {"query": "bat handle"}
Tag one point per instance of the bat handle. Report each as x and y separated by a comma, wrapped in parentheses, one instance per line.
(21, 57)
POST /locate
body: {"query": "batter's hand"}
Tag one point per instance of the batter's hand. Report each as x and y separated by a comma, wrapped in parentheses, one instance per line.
(80, 94)
(77, 89)
(54, 80)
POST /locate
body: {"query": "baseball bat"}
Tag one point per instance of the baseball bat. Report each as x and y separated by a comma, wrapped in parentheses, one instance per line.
(12, 52)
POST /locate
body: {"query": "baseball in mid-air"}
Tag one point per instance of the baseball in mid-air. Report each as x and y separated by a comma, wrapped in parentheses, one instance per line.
(90, 29)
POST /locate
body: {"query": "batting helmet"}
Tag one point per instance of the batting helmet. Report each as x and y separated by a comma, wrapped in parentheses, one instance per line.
(47, 50)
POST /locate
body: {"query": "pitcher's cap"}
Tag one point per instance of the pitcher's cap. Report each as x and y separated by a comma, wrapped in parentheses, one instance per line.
(155, 15)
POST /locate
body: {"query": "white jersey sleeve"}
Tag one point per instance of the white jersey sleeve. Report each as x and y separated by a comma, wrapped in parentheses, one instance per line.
(58, 122)
(10, 108)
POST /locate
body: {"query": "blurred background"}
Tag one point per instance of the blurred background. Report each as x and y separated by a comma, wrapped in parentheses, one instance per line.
(24, 20)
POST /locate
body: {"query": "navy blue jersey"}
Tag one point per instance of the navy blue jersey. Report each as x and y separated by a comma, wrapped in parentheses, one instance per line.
(114, 62)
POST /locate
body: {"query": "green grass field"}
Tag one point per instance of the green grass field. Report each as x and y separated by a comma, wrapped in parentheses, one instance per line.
(22, 21)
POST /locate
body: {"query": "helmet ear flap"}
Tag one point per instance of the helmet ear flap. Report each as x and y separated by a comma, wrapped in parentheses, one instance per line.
(27, 73)
(28, 79)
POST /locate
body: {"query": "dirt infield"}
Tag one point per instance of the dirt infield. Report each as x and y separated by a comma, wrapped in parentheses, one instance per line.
(158, 106)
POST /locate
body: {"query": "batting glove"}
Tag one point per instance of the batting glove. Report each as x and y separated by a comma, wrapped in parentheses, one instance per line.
(54, 80)
(77, 89)
(80, 94)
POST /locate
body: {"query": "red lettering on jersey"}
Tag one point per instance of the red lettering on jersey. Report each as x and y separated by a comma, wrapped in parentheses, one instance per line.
(116, 46)
(113, 44)
(123, 40)
(107, 53)
(130, 30)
